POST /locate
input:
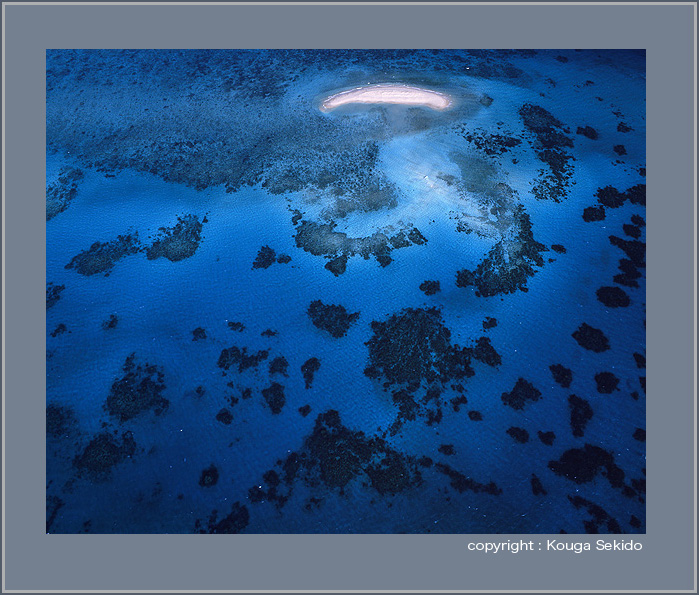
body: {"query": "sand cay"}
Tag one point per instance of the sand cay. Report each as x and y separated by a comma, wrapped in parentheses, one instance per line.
(388, 93)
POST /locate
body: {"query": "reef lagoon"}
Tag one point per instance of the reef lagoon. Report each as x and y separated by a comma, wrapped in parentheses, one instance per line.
(274, 309)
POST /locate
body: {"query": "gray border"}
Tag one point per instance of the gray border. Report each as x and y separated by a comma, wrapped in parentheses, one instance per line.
(34, 561)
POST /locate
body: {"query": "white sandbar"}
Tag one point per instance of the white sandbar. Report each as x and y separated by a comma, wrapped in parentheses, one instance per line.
(388, 93)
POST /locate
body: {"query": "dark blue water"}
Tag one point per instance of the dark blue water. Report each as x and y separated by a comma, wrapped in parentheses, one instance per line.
(210, 232)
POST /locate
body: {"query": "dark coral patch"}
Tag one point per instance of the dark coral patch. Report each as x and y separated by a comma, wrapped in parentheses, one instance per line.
(339, 452)
(53, 505)
(308, 369)
(489, 323)
(593, 214)
(545, 126)
(102, 454)
(465, 278)
(607, 382)
(137, 391)
(59, 194)
(178, 242)
(337, 265)
(640, 360)
(110, 323)
(620, 150)
(335, 455)
(274, 397)
(407, 406)
(613, 297)
(546, 438)
(508, 264)
(591, 338)
(600, 517)
(537, 486)
(462, 483)
(236, 326)
(198, 334)
(225, 417)
(637, 196)
(394, 473)
(550, 148)
(279, 365)
(561, 374)
(610, 197)
(265, 258)
(558, 248)
(629, 274)
(581, 465)
(60, 420)
(522, 392)
(240, 357)
(305, 410)
(613, 198)
(235, 522)
(475, 416)
(332, 318)
(634, 249)
(580, 414)
(639, 434)
(632, 230)
(491, 144)
(638, 220)
(53, 294)
(447, 449)
(59, 330)
(429, 287)
(484, 352)
(623, 127)
(518, 434)
(414, 346)
(588, 132)
(209, 477)
(102, 256)
(457, 402)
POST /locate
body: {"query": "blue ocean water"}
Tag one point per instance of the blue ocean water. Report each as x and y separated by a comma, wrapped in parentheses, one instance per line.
(205, 158)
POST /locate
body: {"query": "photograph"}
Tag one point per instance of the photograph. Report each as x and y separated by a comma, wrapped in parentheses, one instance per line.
(346, 291)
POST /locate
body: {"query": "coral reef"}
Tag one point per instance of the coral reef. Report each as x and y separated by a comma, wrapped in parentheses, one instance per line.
(561, 374)
(178, 242)
(53, 294)
(102, 454)
(580, 414)
(59, 194)
(102, 256)
(591, 338)
(334, 319)
(308, 369)
(139, 390)
(508, 264)
(235, 356)
(274, 397)
(523, 392)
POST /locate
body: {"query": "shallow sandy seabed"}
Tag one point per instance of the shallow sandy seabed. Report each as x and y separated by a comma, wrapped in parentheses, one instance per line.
(400, 94)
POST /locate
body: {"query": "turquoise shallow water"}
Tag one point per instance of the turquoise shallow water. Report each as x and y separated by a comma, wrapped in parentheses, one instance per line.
(236, 140)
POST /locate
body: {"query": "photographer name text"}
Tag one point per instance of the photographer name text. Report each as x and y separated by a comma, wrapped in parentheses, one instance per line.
(554, 545)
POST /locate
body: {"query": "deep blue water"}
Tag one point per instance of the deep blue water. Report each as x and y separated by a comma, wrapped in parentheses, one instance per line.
(523, 201)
